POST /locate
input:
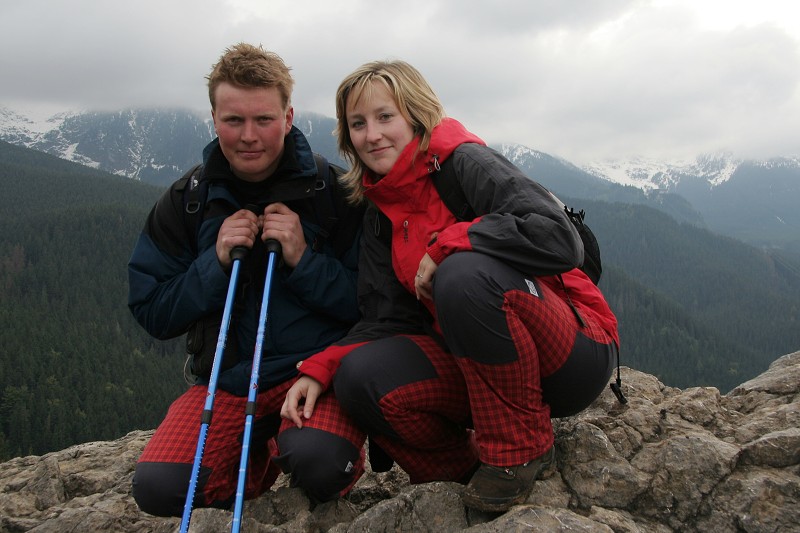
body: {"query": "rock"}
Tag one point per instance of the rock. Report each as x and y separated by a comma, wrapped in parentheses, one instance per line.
(670, 460)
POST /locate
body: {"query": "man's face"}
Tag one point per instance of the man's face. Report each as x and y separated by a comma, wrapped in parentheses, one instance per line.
(251, 124)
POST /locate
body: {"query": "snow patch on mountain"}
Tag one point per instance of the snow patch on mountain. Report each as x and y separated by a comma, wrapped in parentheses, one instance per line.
(30, 124)
(650, 175)
(517, 153)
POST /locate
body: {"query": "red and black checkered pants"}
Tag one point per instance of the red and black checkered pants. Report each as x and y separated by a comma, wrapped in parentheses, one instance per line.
(516, 351)
(325, 457)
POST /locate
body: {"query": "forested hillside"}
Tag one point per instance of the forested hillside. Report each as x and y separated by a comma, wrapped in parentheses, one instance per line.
(694, 308)
(74, 366)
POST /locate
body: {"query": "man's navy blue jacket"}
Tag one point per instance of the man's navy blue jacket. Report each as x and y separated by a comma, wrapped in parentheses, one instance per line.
(174, 290)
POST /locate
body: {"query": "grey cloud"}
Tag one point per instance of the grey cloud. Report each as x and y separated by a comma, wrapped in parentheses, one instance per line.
(574, 78)
(476, 17)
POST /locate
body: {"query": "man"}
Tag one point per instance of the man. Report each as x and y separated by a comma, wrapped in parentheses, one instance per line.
(262, 183)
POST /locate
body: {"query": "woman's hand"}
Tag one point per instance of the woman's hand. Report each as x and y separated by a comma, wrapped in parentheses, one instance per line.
(304, 387)
(423, 283)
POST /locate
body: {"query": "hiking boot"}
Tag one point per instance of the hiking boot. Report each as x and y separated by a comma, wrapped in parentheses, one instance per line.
(497, 488)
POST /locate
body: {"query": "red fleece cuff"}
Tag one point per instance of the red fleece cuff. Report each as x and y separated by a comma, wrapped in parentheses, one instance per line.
(317, 370)
(324, 365)
(436, 252)
(451, 240)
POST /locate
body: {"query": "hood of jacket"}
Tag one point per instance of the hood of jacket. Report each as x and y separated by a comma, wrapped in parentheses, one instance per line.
(413, 165)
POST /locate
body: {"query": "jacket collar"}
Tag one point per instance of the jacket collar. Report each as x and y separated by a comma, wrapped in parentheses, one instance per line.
(294, 178)
(412, 165)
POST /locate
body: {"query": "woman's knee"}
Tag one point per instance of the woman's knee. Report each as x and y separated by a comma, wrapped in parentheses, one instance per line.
(351, 384)
(455, 272)
(354, 369)
(374, 370)
(470, 294)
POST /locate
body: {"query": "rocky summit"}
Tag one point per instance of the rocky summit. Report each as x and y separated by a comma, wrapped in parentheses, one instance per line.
(669, 460)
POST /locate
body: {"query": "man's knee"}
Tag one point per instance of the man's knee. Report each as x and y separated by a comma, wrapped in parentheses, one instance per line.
(321, 463)
(160, 488)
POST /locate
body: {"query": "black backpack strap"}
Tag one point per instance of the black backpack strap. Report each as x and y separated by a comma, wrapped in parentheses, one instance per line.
(324, 207)
(338, 222)
(592, 264)
(194, 190)
(451, 193)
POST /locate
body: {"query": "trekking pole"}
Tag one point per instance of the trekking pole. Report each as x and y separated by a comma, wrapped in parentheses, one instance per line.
(237, 254)
(273, 253)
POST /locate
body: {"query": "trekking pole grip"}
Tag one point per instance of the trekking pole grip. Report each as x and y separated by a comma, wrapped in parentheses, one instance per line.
(273, 245)
(239, 252)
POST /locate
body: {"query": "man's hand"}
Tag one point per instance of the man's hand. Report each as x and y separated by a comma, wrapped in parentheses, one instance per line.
(239, 229)
(304, 387)
(282, 224)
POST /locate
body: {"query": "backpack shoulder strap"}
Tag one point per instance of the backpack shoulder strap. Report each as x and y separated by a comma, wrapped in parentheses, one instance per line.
(330, 209)
(327, 208)
(592, 264)
(450, 191)
(194, 190)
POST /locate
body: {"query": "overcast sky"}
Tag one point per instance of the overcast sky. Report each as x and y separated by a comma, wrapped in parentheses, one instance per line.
(580, 79)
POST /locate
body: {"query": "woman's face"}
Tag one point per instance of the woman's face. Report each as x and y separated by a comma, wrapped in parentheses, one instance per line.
(378, 131)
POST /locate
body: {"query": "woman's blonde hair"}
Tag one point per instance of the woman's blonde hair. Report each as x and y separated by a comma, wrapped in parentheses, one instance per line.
(415, 99)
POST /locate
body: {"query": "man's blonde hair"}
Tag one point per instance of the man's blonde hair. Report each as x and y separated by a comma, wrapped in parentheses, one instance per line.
(245, 65)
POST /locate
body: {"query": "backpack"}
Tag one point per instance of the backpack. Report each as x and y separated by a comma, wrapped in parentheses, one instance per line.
(195, 190)
(452, 195)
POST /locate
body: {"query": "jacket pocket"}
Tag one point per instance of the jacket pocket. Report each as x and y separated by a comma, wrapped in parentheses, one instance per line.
(201, 345)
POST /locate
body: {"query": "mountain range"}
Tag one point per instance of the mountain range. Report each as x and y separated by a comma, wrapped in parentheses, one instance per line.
(695, 308)
(753, 201)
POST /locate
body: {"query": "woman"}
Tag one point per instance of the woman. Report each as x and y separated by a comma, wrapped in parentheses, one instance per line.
(473, 333)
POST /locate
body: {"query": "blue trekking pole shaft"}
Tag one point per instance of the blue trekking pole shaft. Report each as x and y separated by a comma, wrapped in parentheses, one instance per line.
(237, 254)
(273, 251)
